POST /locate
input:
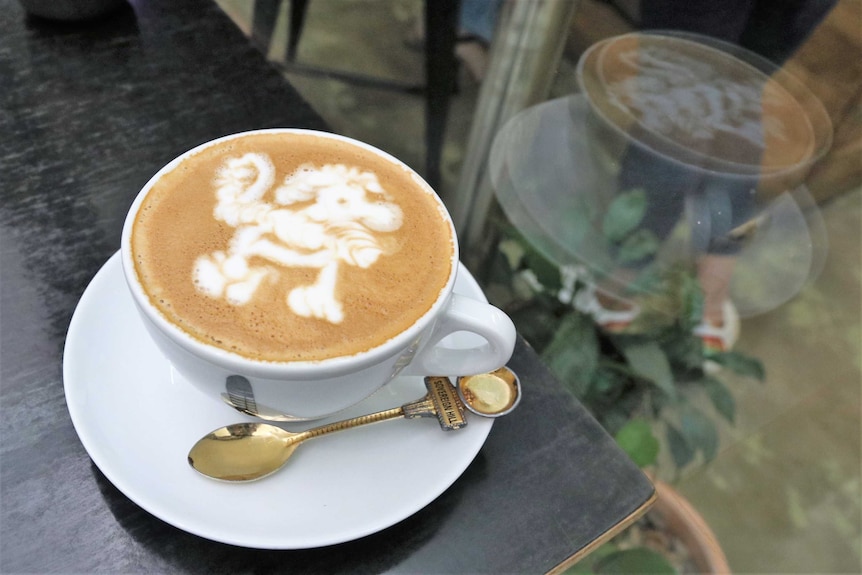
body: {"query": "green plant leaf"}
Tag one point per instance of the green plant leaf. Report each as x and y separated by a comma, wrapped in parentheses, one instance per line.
(700, 432)
(681, 452)
(638, 246)
(573, 352)
(648, 360)
(657, 403)
(606, 399)
(740, 363)
(585, 566)
(648, 280)
(513, 250)
(535, 319)
(684, 350)
(613, 419)
(691, 302)
(721, 397)
(624, 214)
(639, 560)
(637, 440)
(578, 227)
(606, 382)
(547, 272)
(499, 269)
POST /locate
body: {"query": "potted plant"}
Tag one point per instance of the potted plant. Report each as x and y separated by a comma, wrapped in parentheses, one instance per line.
(639, 381)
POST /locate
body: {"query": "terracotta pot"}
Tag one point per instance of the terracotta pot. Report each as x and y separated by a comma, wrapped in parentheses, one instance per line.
(690, 528)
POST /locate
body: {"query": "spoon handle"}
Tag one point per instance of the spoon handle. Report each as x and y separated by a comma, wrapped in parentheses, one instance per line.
(441, 401)
(353, 422)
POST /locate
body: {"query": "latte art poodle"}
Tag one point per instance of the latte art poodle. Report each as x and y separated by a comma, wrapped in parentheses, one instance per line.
(318, 217)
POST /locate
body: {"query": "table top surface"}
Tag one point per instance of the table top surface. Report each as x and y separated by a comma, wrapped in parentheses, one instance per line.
(89, 112)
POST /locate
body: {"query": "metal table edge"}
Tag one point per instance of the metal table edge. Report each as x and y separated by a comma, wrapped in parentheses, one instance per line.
(636, 514)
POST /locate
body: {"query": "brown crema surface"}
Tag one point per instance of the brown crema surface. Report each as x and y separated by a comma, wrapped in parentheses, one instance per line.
(175, 225)
(786, 131)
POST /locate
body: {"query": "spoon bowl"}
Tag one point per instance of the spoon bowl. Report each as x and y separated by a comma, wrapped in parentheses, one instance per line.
(249, 451)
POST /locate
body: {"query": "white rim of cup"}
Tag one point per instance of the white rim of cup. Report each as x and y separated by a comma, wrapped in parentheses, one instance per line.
(726, 168)
(310, 369)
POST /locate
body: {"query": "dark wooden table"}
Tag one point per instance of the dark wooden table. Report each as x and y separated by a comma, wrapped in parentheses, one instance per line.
(89, 113)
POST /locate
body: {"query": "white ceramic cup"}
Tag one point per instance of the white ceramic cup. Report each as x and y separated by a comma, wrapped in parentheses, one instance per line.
(303, 390)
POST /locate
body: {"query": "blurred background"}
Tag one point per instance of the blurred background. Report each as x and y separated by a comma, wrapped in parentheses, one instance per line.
(772, 460)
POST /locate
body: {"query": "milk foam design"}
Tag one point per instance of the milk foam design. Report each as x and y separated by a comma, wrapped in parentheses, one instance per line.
(673, 91)
(319, 217)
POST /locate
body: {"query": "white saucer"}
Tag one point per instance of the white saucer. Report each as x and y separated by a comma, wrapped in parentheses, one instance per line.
(138, 420)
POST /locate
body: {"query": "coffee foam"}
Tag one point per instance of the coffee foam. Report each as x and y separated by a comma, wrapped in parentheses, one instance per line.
(316, 247)
(322, 217)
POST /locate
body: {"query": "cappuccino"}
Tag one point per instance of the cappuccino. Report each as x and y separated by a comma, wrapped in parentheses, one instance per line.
(703, 103)
(291, 246)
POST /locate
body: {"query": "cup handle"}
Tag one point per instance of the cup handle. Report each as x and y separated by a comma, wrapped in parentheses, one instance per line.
(465, 314)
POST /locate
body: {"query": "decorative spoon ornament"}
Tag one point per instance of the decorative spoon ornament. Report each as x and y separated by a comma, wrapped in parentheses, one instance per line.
(249, 451)
(490, 394)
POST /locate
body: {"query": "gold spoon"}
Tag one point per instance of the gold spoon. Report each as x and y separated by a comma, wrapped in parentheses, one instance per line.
(250, 451)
